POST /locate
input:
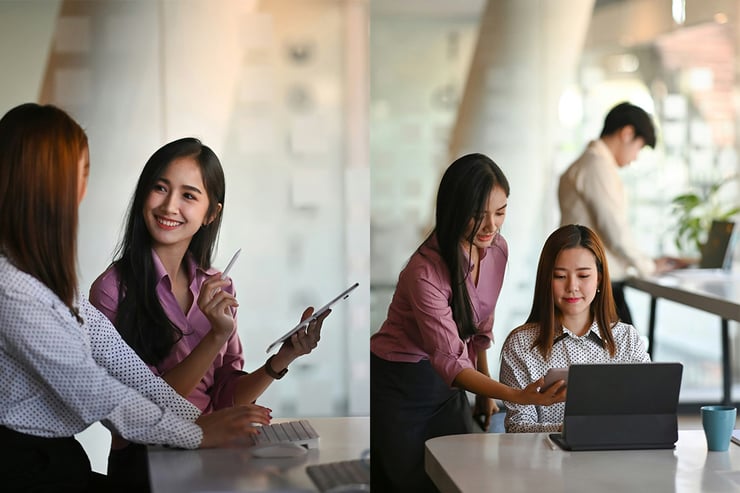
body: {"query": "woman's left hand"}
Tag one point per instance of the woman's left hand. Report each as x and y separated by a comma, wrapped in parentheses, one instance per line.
(305, 340)
(483, 409)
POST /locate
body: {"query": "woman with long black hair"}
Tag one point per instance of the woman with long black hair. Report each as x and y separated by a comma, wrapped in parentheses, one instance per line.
(432, 346)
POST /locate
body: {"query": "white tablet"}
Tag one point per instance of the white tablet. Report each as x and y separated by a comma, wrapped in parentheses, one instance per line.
(316, 314)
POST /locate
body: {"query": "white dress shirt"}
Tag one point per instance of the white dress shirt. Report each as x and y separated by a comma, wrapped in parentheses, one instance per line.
(521, 364)
(591, 194)
(61, 376)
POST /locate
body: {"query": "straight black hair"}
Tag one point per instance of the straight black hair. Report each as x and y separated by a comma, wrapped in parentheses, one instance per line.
(463, 194)
(141, 320)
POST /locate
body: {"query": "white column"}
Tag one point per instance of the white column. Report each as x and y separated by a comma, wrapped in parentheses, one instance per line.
(527, 51)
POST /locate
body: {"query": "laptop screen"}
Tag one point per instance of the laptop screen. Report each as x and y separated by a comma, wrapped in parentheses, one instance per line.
(716, 252)
(621, 407)
(636, 388)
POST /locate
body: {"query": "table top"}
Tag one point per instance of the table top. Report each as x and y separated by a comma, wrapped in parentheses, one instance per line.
(523, 462)
(712, 290)
(234, 469)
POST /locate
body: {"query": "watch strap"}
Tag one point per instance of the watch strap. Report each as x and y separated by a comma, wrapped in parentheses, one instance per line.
(277, 375)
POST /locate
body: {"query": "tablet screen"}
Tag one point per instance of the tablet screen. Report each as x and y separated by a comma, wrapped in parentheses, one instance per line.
(316, 314)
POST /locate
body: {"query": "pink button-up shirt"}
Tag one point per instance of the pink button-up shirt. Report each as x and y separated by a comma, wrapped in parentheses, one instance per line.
(420, 326)
(216, 388)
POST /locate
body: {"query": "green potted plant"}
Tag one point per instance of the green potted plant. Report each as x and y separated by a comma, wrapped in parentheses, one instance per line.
(694, 212)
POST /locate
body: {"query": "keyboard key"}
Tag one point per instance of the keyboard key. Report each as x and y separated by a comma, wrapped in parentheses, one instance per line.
(300, 432)
(335, 474)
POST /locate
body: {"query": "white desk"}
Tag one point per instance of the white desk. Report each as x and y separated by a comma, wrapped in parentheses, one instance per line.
(234, 469)
(523, 462)
(713, 291)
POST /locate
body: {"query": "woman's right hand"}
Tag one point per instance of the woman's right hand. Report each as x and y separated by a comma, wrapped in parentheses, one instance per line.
(218, 306)
(535, 394)
(232, 426)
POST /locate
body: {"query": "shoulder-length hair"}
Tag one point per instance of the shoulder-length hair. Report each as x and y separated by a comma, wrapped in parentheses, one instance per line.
(462, 196)
(40, 152)
(141, 320)
(544, 312)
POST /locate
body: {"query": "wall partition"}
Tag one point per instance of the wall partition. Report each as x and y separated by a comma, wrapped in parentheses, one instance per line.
(278, 90)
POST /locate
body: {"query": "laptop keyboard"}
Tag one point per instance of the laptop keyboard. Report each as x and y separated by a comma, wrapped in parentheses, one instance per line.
(337, 474)
(300, 432)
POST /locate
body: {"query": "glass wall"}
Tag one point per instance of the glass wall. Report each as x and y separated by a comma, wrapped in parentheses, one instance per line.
(272, 87)
(675, 59)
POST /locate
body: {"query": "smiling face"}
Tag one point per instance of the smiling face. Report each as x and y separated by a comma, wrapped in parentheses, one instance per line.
(491, 220)
(575, 280)
(177, 205)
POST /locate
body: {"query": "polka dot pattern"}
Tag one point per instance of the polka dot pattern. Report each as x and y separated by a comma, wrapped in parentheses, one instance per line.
(521, 364)
(65, 376)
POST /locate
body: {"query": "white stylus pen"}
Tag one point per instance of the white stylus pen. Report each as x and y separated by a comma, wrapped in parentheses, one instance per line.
(231, 264)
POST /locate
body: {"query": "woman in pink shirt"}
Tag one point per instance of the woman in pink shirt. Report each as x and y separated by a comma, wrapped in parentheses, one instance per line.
(168, 303)
(432, 346)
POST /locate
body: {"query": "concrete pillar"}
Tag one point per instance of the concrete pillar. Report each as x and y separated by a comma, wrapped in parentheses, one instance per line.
(527, 51)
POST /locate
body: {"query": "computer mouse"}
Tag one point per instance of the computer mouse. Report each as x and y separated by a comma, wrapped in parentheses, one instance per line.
(278, 450)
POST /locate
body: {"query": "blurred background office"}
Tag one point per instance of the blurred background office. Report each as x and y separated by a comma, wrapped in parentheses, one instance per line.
(278, 89)
(528, 82)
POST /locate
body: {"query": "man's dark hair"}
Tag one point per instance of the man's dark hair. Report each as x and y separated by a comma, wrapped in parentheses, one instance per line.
(625, 114)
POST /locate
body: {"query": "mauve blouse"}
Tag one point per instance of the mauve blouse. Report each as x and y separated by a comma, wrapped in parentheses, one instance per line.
(216, 388)
(419, 324)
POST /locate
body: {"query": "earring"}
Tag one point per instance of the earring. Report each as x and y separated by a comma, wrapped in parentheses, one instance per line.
(598, 290)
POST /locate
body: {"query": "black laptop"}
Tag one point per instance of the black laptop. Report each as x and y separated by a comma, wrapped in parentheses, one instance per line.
(621, 407)
(716, 253)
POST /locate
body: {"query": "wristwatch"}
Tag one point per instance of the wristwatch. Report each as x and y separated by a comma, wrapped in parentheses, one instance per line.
(277, 375)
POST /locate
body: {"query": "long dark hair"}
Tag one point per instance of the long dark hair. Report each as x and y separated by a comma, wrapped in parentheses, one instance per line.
(545, 314)
(141, 320)
(463, 194)
(40, 150)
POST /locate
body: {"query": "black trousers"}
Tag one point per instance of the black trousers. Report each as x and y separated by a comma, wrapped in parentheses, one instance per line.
(128, 469)
(32, 464)
(409, 404)
(623, 310)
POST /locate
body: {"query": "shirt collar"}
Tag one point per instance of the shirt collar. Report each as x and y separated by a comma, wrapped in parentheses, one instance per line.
(434, 245)
(482, 255)
(593, 334)
(600, 148)
(191, 266)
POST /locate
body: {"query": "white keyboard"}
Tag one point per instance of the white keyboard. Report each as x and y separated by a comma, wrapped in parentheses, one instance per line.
(354, 475)
(300, 432)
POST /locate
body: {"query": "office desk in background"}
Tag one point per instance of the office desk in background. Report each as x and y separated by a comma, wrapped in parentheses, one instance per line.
(713, 291)
(234, 469)
(523, 462)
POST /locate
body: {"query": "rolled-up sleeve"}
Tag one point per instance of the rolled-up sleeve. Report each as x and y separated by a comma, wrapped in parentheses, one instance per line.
(484, 338)
(437, 331)
(111, 352)
(60, 353)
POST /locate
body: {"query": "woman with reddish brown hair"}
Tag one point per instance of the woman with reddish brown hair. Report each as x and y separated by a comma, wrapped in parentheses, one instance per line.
(68, 366)
(573, 320)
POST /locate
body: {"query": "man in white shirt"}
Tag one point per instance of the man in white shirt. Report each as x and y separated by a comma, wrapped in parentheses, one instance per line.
(591, 193)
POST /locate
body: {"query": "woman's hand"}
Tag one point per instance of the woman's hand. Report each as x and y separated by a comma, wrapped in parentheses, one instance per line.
(535, 394)
(305, 340)
(483, 409)
(233, 425)
(218, 306)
